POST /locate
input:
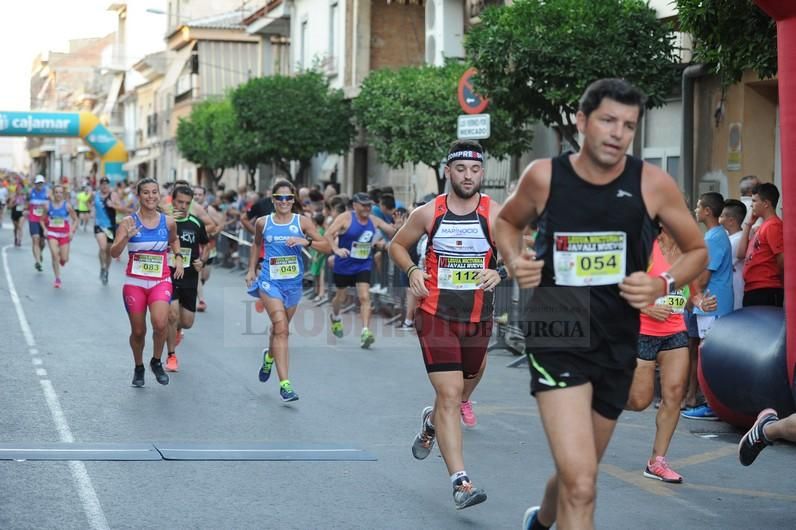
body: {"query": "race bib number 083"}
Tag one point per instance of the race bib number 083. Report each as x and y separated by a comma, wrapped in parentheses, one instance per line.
(149, 265)
(589, 258)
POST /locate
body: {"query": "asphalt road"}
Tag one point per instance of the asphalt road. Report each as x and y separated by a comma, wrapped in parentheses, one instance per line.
(66, 378)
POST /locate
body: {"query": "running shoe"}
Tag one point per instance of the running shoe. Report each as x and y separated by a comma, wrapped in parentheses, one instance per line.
(138, 376)
(38, 266)
(201, 306)
(406, 327)
(157, 369)
(104, 276)
(659, 470)
(286, 392)
(57, 283)
(700, 412)
(337, 326)
(366, 339)
(172, 364)
(468, 416)
(424, 440)
(466, 495)
(265, 369)
(754, 440)
(530, 517)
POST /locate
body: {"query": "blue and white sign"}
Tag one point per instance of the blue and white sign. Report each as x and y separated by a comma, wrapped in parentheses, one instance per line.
(100, 139)
(39, 124)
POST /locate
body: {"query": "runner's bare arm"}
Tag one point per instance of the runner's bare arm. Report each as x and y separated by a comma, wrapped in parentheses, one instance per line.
(200, 212)
(385, 227)
(409, 234)
(666, 203)
(339, 225)
(319, 242)
(521, 208)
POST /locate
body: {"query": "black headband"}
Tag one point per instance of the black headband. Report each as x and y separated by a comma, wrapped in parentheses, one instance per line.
(477, 156)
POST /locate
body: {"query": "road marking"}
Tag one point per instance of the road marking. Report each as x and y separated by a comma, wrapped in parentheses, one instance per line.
(742, 492)
(41, 372)
(36, 361)
(707, 456)
(635, 478)
(88, 496)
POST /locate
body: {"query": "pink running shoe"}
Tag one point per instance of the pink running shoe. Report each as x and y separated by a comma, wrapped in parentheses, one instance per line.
(660, 470)
(468, 416)
(57, 283)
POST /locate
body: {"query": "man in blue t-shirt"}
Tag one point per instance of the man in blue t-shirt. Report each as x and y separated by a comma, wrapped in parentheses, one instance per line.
(715, 280)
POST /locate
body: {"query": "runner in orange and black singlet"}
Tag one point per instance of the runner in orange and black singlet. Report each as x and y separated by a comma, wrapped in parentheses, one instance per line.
(454, 320)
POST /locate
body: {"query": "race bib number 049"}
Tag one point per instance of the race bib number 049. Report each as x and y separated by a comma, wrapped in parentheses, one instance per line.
(589, 258)
(283, 267)
(459, 273)
(148, 265)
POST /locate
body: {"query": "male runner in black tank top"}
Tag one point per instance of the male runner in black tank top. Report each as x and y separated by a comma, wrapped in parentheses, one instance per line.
(597, 211)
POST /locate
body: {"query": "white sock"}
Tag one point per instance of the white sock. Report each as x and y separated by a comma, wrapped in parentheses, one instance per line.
(459, 475)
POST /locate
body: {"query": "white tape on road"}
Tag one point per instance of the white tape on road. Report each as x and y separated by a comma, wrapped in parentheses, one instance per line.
(85, 489)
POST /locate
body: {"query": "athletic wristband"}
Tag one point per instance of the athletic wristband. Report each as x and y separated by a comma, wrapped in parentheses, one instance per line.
(411, 269)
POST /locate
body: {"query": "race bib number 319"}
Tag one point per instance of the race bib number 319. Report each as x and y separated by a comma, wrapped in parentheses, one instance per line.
(589, 258)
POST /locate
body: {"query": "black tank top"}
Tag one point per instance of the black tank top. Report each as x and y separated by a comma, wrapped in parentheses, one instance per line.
(108, 209)
(582, 232)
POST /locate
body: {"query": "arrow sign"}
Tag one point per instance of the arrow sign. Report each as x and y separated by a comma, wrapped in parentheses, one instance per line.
(470, 102)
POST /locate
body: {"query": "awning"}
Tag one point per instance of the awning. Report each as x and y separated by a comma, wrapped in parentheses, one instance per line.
(176, 67)
(147, 156)
(113, 94)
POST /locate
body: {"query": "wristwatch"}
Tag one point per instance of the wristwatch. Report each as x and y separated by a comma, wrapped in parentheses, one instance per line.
(309, 240)
(671, 285)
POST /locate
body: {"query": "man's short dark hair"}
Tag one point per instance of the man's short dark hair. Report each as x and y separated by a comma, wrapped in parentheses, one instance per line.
(735, 209)
(316, 195)
(388, 202)
(184, 190)
(712, 201)
(767, 192)
(375, 195)
(618, 90)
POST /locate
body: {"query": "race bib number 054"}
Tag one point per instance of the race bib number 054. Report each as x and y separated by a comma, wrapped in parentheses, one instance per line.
(459, 273)
(589, 258)
(283, 267)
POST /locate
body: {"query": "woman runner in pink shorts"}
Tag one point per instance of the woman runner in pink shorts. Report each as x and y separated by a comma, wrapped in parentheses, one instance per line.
(148, 235)
(59, 223)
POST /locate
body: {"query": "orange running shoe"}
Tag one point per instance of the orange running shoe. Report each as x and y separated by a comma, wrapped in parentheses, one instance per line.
(172, 364)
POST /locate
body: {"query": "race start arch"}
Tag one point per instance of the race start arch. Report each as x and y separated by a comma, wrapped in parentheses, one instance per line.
(86, 125)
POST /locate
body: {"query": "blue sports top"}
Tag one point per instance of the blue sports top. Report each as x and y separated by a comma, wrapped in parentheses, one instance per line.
(358, 239)
(282, 263)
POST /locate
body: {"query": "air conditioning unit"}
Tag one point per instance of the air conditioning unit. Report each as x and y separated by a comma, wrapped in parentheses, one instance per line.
(444, 30)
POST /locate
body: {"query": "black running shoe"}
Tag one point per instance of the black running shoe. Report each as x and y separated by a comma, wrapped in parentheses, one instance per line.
(754, 441)
(160, 374)
(38, 266)
(138, 376)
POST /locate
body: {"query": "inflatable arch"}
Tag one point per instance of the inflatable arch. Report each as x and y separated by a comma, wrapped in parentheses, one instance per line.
(86, 125)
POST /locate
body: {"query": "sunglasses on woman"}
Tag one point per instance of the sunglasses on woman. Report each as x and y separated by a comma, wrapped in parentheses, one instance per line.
(283, 198)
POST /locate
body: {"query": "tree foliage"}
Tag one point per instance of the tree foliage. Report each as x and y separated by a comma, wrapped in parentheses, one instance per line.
(292, 118)
(410, 116)
(731, 36)
(206, 137)
(535, 57)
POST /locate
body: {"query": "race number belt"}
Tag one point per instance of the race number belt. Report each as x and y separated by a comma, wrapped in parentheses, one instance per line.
(283, 267)
(148, 265)
(57, 222)
(459, 273)
(589, 258)
(360, 250)
(185, 253)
